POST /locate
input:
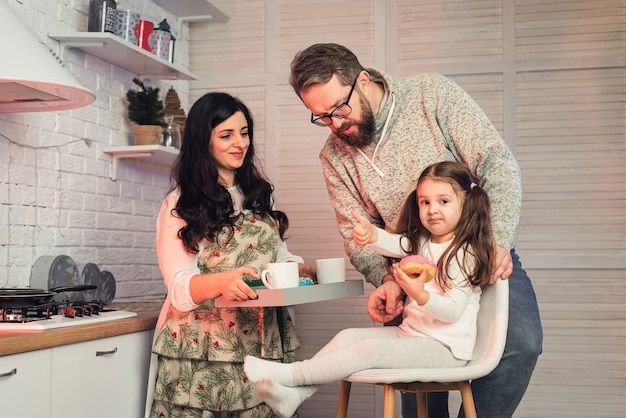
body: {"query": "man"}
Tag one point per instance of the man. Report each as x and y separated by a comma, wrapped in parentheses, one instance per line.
(384, 132)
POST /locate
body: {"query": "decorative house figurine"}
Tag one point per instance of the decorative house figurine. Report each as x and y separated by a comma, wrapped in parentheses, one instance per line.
(172, 107)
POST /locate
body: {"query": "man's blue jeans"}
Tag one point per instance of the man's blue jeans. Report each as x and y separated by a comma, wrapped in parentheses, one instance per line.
(498, 394)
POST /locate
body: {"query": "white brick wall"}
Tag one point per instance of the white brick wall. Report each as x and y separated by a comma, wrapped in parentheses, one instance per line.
(56, 193)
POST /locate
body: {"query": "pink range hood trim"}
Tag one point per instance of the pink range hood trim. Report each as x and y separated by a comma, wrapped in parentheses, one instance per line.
(32, 77)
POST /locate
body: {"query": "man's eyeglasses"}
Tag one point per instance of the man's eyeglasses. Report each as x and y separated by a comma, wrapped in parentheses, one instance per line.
(340, 112)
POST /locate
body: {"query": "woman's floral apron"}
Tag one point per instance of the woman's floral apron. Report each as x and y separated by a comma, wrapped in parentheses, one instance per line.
(201, 352)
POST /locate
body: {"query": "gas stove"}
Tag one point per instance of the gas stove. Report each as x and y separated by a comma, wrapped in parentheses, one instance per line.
(57, 315)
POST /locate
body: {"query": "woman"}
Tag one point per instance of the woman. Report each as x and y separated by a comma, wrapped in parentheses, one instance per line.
(216, 230)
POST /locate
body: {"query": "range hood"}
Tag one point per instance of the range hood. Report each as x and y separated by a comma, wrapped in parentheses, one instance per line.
(32, 77)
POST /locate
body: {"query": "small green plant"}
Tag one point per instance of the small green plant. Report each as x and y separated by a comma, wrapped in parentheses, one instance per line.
(144, 105)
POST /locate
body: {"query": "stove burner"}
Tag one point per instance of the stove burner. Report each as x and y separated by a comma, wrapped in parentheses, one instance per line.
(13, 317)
(46, 311)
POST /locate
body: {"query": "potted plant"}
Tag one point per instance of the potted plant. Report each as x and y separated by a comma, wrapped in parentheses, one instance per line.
(145, 109)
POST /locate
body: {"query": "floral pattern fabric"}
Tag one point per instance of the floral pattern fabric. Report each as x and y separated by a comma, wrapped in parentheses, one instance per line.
(201, 352)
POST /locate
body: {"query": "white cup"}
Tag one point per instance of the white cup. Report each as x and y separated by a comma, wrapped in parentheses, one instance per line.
(330, 270)
(281, 275)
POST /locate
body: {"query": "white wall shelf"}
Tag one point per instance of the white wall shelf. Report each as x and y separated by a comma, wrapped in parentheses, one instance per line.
(193, 10)
(156, 154)
(117, 51)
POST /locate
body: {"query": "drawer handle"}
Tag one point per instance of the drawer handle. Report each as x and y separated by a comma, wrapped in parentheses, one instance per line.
(11, 373)
(106, 353)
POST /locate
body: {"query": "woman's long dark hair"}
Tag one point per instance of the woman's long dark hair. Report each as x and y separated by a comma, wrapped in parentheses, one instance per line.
(205, 205)
(473, 234)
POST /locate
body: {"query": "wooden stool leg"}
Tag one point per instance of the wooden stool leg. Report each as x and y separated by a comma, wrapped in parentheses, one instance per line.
(468, 399)
(344, 397)
(389, 401)
(422, 404)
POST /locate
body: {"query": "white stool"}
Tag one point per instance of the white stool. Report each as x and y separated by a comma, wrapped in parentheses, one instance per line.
(493, 317)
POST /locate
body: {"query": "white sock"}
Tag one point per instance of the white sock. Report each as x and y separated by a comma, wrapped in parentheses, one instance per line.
(283, 400)
(257, 369)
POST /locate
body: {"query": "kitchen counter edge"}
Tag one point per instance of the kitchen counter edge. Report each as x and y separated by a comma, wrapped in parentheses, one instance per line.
(15, 342)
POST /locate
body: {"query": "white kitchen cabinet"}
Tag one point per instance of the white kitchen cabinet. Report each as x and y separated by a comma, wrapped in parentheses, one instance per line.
(25, 385)
(101, 378)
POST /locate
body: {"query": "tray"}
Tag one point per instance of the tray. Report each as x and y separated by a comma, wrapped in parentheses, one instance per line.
(296, 295)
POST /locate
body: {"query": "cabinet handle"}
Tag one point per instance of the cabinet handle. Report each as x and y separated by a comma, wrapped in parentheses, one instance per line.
(11, 373)
(104, 353)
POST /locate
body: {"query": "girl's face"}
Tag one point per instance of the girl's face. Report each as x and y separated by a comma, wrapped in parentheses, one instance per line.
(439, 208)
(229, 144)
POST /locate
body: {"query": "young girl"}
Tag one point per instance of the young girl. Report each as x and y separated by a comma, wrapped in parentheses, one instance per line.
(447, 220)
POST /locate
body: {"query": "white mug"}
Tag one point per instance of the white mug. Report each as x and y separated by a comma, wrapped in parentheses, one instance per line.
(331, 270)
(281, 275)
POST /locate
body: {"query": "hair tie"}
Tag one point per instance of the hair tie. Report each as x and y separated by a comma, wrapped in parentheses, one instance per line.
(472, 185)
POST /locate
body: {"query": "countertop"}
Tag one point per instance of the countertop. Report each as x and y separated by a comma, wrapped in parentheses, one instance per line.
(14, 342)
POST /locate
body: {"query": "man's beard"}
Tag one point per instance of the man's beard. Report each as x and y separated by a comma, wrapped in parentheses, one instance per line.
(364, 135)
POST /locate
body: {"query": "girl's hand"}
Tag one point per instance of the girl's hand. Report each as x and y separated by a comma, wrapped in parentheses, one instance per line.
(234, 288)
(414, 287)
(363, 232)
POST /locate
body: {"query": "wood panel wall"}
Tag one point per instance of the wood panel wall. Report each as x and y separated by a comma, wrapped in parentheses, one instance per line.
(549, 73)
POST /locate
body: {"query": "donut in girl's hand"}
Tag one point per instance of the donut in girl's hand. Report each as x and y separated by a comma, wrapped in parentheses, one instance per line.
(413, 265)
